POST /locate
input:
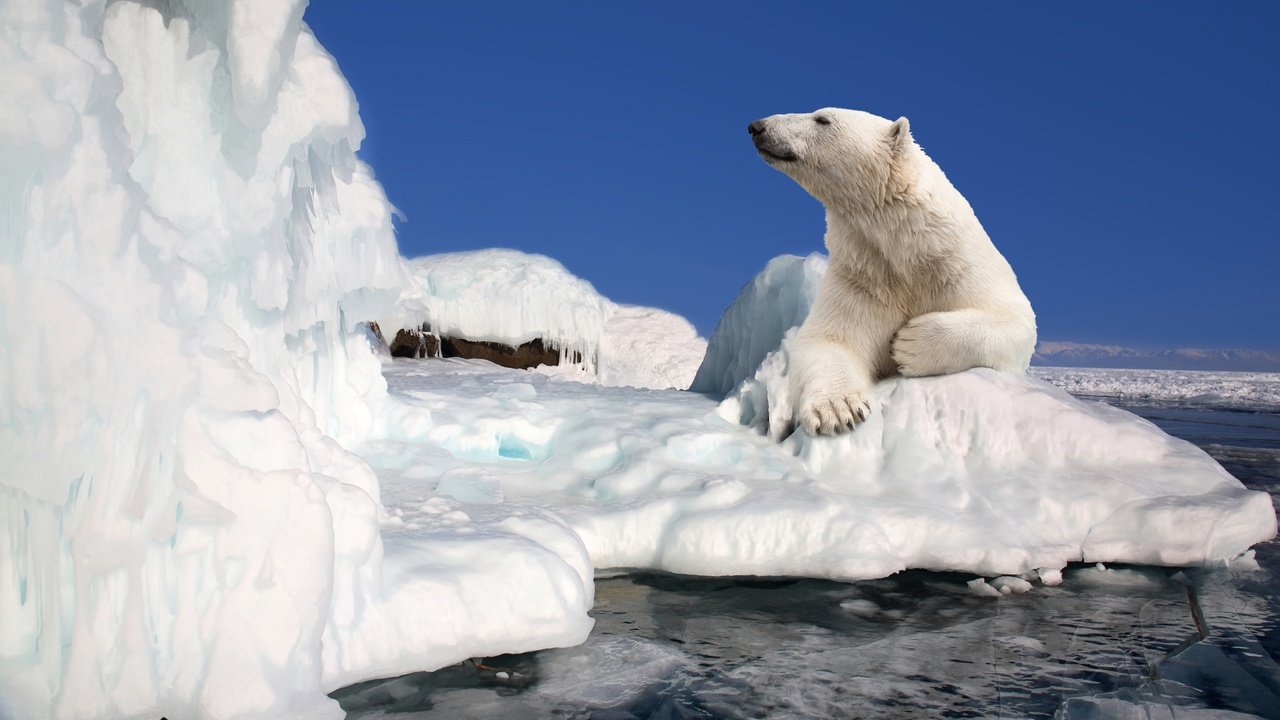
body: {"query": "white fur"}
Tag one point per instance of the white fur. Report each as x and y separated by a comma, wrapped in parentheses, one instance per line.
(914, 284)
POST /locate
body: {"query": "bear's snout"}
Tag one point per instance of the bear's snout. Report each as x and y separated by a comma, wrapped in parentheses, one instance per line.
(772, 148)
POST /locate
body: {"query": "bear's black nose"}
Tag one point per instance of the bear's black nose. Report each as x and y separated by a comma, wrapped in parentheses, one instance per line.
(756, 127)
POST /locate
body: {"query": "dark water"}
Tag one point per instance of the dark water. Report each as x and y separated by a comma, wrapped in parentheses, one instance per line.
(1113, 642)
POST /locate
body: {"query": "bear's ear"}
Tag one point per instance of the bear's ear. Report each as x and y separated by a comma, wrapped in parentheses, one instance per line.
(902, 174)
(900, 135)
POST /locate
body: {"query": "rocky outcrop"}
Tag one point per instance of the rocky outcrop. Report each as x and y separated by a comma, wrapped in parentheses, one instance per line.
(415, 343)
(527, 355)
(421, 342)
(376, 339)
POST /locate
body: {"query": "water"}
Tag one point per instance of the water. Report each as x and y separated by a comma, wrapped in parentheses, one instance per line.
(1107, 641)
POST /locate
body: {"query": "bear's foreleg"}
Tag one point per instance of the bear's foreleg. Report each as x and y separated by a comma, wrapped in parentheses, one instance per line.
(940, 343)
(835, 357)
(831, 384)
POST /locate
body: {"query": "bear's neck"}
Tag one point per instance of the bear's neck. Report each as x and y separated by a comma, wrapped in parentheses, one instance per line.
(895, 241)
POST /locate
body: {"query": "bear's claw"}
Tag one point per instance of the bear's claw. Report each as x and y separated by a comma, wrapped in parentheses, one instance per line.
(834, 415)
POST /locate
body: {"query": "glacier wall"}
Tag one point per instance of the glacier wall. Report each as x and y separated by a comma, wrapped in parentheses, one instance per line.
(186, 243)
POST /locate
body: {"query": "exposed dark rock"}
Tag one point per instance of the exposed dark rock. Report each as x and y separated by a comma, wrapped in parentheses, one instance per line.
(421, 342)
(376, 339)
(528, 355)
(415, 343)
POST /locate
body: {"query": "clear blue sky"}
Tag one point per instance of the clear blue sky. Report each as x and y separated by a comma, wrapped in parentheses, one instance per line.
(1123, 156)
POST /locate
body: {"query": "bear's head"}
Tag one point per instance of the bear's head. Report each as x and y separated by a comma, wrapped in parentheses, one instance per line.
(844, 158)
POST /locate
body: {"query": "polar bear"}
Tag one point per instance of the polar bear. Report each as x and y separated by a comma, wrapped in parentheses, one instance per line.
(914, 285)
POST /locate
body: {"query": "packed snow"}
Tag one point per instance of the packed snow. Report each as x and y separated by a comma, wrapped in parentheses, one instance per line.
(213, 508)
(1219, 390)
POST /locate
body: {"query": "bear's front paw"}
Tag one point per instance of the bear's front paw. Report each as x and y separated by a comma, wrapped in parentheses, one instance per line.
(917, 348)
(832, 414)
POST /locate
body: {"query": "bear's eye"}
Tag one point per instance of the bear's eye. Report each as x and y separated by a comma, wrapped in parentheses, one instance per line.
(822, 119)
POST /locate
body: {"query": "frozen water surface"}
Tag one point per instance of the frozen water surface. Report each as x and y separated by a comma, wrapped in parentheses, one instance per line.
(1116, 642)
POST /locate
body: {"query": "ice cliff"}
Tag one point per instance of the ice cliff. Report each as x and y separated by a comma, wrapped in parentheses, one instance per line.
(186, 242)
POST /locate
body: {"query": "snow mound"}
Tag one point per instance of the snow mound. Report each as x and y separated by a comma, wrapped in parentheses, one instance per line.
(649, 348)
(777, 300)
(1010, 474)
(509, 297)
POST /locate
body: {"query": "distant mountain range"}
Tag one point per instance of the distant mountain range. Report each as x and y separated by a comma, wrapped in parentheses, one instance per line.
(1069, 354)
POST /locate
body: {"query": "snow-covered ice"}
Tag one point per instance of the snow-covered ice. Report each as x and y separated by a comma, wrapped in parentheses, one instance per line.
(511, 297)
(647, 347)
(981, 472)
(508, 297)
